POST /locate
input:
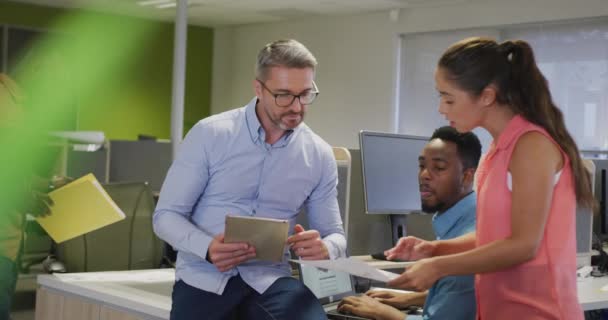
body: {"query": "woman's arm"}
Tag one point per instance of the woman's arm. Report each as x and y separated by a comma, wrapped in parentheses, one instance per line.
(412, 248)
(457, 245)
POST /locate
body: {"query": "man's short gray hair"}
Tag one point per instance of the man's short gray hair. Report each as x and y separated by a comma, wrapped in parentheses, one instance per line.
(285, 53)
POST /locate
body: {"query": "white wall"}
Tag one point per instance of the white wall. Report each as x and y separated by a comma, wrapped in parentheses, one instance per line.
(357, 57)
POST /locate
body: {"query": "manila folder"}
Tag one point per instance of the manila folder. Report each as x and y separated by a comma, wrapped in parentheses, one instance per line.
(79, 207)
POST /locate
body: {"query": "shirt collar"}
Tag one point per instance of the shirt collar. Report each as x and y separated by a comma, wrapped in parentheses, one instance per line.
(253, 123)
(443, 223)
(256, 131)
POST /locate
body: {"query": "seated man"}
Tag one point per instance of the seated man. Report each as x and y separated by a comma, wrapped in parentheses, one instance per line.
(447, 168)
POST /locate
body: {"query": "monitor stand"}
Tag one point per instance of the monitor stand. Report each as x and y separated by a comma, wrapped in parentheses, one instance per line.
(398, 223)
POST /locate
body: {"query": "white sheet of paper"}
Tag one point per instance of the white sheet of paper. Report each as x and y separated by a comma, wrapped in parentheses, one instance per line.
(353, 266)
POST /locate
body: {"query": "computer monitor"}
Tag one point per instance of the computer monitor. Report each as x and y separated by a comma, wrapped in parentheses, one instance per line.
(390, 172)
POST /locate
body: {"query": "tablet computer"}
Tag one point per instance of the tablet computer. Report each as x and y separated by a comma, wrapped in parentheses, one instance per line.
(268, 236)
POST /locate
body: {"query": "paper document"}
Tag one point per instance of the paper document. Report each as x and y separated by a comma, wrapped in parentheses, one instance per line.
(80, 207)
(353, 266)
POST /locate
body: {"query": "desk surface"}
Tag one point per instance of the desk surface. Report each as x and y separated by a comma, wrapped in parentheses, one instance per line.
(146, 292)
(149, 291)
(590, 293)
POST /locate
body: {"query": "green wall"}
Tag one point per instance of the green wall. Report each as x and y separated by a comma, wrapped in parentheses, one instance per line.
(136, 99)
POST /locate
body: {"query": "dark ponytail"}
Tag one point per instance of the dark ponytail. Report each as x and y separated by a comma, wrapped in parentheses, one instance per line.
(474, 63)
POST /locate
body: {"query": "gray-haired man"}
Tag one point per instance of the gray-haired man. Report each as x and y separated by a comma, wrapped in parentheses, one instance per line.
(259, 160)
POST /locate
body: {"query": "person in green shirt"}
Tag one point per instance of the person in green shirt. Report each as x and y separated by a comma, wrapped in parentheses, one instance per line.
(23, 191)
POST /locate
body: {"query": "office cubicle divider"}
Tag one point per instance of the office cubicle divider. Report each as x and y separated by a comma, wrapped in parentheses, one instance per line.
(123, 161)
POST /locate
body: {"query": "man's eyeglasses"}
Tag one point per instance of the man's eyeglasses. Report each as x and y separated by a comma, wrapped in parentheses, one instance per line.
(285, 100)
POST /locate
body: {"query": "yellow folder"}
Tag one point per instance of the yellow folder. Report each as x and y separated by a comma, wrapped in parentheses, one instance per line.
(80, 207)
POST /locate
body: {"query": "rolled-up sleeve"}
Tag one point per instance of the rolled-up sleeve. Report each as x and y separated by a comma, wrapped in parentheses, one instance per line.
(323, 210)
(184, 184)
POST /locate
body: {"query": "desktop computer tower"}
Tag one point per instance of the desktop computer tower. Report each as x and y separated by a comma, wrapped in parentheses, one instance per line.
(584, 236)
(586, 222)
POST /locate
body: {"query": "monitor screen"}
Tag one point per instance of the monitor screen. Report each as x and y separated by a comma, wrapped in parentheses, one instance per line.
(390, 172)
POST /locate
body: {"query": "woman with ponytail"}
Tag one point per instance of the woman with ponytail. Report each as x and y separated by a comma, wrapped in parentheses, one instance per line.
(528, 186)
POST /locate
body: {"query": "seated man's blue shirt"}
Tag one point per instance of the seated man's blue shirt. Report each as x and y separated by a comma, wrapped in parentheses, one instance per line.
(453, 297)
(224, 166)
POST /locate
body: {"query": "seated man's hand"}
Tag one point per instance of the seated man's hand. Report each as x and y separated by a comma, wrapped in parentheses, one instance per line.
(367, 307)
(410, 248)
(307, 245)
(396, 299)
(226, 256)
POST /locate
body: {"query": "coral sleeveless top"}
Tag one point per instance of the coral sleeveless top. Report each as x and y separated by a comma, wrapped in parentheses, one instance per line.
(544, 287)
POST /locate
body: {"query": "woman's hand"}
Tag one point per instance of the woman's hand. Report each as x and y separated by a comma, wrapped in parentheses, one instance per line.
(418, 277)
(410, 249)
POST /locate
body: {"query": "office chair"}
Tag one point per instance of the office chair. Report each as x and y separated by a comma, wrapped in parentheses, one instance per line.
(343, 161)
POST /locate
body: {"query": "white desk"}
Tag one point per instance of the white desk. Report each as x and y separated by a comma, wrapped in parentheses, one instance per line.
(590, 294)
(146, 294)
(121, 295)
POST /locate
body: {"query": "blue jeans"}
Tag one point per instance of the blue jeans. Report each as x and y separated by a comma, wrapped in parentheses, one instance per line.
(287, 298)
(8, 280)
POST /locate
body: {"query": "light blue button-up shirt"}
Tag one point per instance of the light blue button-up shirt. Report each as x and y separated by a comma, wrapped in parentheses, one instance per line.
(453, 297)
(224, 166)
